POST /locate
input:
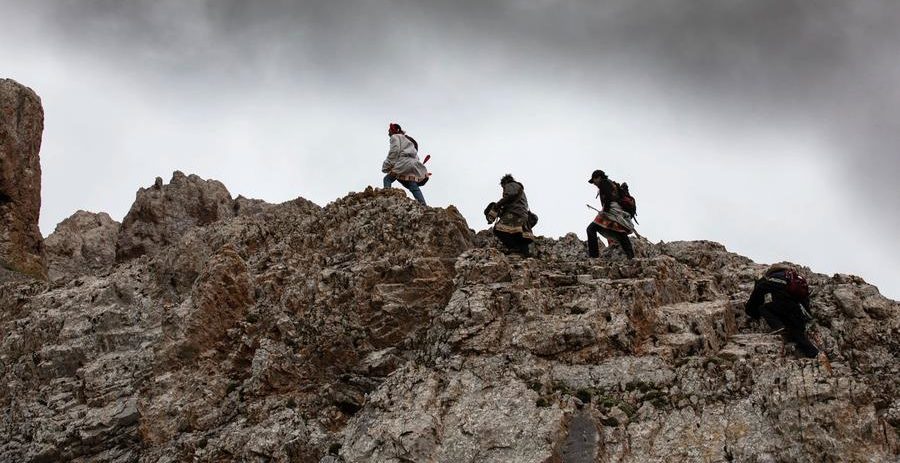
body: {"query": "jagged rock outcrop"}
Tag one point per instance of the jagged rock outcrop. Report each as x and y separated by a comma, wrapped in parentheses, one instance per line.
(21, 127)
(84, 243)
(378, 330)
(162, 213)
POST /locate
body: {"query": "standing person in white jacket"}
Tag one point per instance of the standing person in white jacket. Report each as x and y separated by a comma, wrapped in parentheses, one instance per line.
(403, 163)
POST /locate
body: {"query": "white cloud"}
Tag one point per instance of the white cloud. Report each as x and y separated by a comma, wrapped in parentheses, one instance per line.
(277, 120)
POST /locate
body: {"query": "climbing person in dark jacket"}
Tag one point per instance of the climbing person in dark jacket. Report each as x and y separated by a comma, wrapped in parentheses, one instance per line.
(514, 225)
(613, 222)
(781, 296)
(403, 163)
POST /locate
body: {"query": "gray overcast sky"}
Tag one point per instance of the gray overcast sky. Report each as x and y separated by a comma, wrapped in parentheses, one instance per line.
(771, 126)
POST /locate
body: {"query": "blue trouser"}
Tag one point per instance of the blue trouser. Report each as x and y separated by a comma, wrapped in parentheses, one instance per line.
(413, 187)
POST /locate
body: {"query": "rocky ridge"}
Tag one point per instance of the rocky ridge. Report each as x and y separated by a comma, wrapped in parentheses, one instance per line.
(375, 329)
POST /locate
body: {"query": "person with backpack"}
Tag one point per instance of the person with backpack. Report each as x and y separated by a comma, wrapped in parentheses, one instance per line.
(515, 222)
(781, 296)
(402, 163)
(614, 220)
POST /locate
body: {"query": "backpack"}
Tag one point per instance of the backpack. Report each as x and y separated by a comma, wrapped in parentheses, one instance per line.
(794, 284)
(625, 199)
(797, 286)
(532, 220)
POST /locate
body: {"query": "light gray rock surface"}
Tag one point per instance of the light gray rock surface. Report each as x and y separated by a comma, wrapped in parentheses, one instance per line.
(378, 330)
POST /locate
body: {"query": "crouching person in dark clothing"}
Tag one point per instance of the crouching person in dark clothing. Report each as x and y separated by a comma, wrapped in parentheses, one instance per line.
(514, 227)
(781, 296)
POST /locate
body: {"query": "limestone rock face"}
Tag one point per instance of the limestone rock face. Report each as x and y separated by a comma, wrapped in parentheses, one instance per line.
(21, 127)
(163, 213)
(375, 329)
(84, 243)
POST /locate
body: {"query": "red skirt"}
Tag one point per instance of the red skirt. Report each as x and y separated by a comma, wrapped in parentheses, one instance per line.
(610, 224)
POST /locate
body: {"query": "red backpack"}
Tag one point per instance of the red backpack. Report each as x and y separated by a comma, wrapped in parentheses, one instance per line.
(797, 286)
(627, 201)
